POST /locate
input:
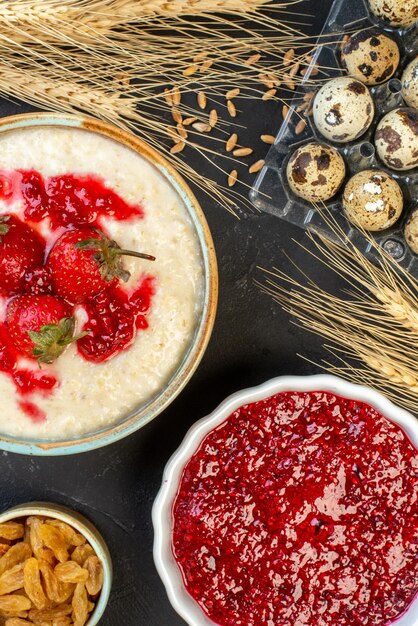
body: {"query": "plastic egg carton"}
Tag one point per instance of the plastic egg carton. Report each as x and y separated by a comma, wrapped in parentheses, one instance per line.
(271, 192)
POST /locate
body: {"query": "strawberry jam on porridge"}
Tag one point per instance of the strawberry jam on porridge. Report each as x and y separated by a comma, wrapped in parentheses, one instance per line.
(101, 282)
(300, 510)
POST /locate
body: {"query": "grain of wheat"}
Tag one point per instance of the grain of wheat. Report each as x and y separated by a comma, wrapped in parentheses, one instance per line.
(242, 152)
(285, 110)
(213, 118)
(288, 57)
(269, 94)
(176, 115)
(201, 127)
(270, 139)
(300, 127)
(232, 178)
(182, 131)
(254, 58)
(202, 99)
(176, 96)
(232, 142)
(294, 70)
(232, 93)
(178, 147)
(232, 109)
(256, 167)
(189, 120)
(189, 71)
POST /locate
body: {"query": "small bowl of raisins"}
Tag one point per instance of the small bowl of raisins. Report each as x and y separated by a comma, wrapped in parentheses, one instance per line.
(55, 567)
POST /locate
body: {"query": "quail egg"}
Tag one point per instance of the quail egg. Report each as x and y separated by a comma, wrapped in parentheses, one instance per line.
(343, 109)
(315, 172)
(411, 231)
(370, 56)
(396, 139)
(410, 84)
(372, 200)
(396, 12)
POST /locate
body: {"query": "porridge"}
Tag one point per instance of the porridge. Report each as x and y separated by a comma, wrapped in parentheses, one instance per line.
(108, 330)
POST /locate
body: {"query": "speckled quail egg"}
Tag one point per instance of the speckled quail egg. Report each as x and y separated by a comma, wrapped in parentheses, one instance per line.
(396, 12)
(372, 200)
(411, 231)
(315, 172)
(396, 139)
(343, 109)
(410, 84)
(370, 56)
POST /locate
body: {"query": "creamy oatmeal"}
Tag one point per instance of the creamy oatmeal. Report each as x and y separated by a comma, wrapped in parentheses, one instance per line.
(91, 396)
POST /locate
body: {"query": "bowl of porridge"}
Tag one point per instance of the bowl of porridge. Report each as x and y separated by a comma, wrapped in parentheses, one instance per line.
(108, 284)
(294, 502)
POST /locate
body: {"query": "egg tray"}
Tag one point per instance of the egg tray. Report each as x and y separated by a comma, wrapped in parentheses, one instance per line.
(271, 192)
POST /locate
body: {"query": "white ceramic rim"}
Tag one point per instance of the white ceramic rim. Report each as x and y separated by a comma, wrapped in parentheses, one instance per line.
(84, 527)
(165, 563)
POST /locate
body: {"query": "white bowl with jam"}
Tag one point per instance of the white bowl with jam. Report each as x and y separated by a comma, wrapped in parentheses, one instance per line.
(295, 502)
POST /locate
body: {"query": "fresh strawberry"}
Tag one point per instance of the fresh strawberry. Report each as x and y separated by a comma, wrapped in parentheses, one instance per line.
(84, 262)
(41, 327)
(21, 251)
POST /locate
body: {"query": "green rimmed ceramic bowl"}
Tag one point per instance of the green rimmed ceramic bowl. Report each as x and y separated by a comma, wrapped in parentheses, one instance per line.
(194, 349)
(82, 526)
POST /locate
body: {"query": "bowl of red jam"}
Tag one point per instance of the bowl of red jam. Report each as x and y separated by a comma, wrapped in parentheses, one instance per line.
(294, 503)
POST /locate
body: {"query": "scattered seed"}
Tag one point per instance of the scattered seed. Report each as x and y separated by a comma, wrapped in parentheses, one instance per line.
(300, 127)
(232, 178)
(302, 107)
(189, 71)
(232, 93)
(182, 131)
(172, 132)
(288, 57)
(206, 65)
(202, 99)
(242, 152)
(213, 118)
(232, 109)
(294, 70)
(315, 70)
(232, 142)
(189, 120)
(176, 96)
(202, 127)
(253, 59)
(267, 138)
(269, 94)
(309, 112)
(256, 167)
(285, 110)
(178, 147)
(200, 56)
(176, 115)
(168, 97)
(308, 96)
(290, 83)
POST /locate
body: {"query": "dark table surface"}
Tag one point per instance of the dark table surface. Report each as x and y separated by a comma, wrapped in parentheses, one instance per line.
(253, 341)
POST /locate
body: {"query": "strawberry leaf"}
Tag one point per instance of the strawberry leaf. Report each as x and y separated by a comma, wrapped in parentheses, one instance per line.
(108, 256)
(52, 339)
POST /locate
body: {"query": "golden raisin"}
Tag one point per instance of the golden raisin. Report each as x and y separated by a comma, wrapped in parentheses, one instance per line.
(47, 615)
(80, 605)
(54, 539)
(17, 621)
(71, 536)
(11, 530)
(11, 579)
(14, 603)
(4, 547)
(71, 572)
(15, 555)
(32, 584)
(81, 553)
(95, 580)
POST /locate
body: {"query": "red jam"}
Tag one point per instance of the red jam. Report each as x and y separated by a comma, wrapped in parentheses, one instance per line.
(68, 200)
(115, 316)
(300, 510)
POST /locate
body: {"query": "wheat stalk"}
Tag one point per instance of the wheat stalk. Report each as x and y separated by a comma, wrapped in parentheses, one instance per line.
(374, 322)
